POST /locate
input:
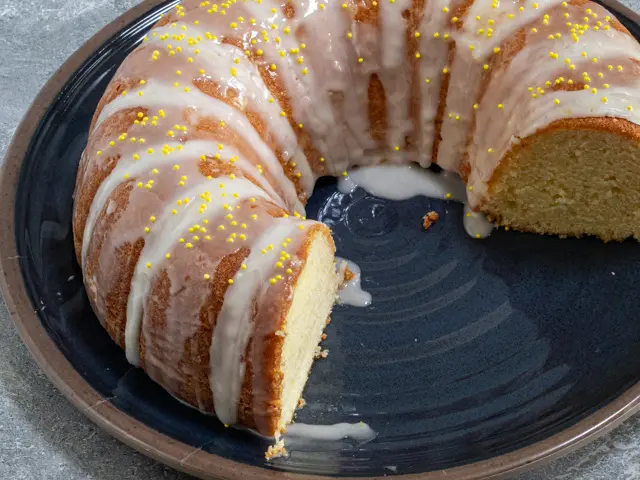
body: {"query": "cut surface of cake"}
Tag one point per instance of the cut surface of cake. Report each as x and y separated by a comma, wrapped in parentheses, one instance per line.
(189, 218)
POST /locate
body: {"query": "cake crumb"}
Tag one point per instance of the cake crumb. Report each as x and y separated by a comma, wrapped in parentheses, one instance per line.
(280, 333)
(276, 451)
(348, 275)
(321, 353)
(324, 336)
(302, 402)
(429, 219)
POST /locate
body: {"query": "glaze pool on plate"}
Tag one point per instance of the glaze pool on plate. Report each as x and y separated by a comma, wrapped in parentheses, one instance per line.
(470, 349)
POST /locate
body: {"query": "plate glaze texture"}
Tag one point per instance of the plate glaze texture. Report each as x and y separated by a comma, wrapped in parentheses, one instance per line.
(476, 358)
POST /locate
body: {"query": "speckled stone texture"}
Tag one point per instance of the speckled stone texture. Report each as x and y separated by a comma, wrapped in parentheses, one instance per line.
(42, 436)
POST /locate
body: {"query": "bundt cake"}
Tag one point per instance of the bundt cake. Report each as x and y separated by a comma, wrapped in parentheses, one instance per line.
(189, 203)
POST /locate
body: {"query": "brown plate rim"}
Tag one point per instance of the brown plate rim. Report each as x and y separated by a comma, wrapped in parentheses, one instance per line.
(161, 447)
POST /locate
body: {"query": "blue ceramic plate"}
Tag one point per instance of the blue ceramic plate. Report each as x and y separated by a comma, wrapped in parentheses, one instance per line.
(497, 353)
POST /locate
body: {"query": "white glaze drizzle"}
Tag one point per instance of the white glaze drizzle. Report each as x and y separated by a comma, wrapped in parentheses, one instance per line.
(361, 432)
(395, 73)
(159, 96)
(401, 182)
(351, 292)
(246, 80)
(434, 52)
(161, 240)
(234, 322)
(467, 68)
(476, 223)
(133, 168)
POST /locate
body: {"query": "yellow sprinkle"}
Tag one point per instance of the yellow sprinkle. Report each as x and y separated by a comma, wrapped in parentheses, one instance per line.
(230, 282)
(207, 276)
(360, 60)
(500, 106)
(490, 150)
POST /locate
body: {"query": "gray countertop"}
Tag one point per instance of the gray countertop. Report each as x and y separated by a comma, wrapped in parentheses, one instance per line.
(42, 436)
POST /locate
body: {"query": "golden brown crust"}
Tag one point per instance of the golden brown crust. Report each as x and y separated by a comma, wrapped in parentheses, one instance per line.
(377, 110)
(430, 219)
(348, 275)
(194, 365)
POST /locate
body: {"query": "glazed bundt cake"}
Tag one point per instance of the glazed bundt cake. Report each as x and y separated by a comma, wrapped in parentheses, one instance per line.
(189, 204)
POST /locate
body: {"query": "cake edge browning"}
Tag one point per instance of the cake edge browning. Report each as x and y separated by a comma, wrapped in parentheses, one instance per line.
(578, 141)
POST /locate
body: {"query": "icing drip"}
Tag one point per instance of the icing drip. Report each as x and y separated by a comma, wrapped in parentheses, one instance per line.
(401, 182)
(361, 432)
(234, 323)
(162, 239)
(160, 96)
(396, 72)
(351, 292)
(134, 168)
(474, 49)
(476, 224)
(434, 51)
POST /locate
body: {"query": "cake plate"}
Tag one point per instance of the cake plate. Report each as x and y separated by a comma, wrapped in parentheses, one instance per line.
(476, 359)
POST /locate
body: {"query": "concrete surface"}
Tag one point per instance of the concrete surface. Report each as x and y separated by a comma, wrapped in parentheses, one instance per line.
(42, 436)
